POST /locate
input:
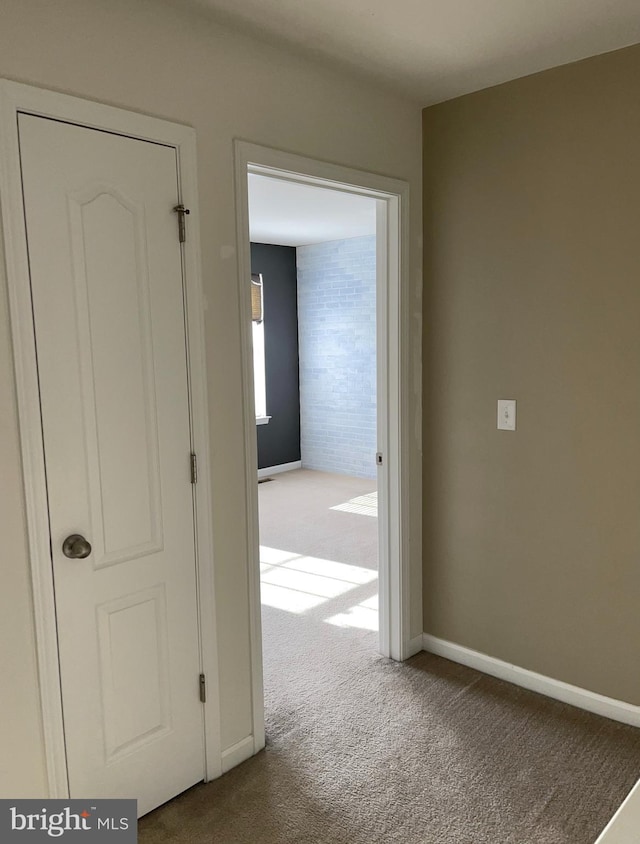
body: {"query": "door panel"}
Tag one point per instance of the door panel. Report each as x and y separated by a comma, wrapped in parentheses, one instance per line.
(112, 304)
(132, 637)
(106, 278)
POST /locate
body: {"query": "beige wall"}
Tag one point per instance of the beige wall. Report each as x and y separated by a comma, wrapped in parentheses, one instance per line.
(171, 62)
(20, 727)
(532, 292)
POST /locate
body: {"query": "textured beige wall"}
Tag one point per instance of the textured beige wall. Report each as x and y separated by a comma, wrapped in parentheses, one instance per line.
(532, 292)
(170, 61)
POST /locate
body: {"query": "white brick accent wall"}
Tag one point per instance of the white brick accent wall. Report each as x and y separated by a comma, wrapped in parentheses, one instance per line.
(337, 348)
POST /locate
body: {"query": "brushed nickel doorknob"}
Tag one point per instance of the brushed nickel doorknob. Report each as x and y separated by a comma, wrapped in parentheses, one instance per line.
(76, 547)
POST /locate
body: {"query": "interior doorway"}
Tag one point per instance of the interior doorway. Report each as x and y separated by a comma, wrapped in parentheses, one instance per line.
(390, 199)
(313, 262)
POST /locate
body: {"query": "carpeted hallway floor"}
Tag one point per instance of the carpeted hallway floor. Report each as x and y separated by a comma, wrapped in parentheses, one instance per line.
(362, 750)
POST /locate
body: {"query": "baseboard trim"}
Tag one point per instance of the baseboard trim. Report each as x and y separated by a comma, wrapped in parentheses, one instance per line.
(282, 467)
(237, 753)
(617, 710)
(623, 826)
(415, 645)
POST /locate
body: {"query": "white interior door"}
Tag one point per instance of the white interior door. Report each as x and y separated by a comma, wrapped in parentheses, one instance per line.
(107, 290)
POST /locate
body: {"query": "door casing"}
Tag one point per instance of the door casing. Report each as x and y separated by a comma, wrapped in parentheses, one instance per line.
(17, 98)
(393, 434)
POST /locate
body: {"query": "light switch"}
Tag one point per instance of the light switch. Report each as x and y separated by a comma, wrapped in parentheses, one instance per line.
(506, 414)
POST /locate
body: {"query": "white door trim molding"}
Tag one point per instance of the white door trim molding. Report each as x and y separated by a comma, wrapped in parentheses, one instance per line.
(14, 99)
(392, 197)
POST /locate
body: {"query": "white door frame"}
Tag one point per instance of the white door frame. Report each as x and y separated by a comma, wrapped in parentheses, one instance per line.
(17, 98)
(392, 286)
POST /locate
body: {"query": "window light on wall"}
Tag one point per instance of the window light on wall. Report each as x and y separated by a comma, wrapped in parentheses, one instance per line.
(256, 297)
(259, 371)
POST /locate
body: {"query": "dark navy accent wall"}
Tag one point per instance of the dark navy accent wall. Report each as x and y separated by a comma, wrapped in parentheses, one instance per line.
(279, 440)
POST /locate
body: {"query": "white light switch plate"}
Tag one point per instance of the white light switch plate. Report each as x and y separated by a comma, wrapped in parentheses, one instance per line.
(506, 414)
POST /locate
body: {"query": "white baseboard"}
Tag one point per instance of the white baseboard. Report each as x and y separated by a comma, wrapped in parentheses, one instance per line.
(617, 710)
(624, 825)
(275, 470)
(415, 646)
(237, 753)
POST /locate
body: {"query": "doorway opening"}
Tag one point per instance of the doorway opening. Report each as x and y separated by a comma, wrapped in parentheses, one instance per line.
(313, 284)
(312, 577)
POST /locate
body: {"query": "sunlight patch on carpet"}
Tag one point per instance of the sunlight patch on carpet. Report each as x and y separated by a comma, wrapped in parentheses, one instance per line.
(364, 616)
(290, 600)
(362, 505)
(297, 583)
(275, 556)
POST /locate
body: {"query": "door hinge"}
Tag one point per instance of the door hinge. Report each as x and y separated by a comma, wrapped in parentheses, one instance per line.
(181, 211)
(194, 468)
(379, 458)
(203, 689)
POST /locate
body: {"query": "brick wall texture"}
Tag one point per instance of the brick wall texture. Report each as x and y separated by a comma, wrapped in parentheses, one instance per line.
(337, 349)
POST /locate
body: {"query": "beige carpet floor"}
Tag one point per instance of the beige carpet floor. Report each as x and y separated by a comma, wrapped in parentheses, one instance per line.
(362, 750)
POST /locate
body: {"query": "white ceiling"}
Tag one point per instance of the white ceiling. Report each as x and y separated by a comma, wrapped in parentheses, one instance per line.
(291, 214)
(434, 50)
